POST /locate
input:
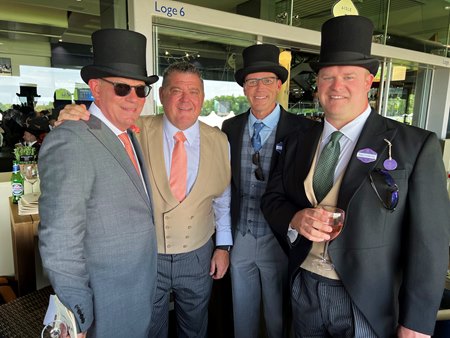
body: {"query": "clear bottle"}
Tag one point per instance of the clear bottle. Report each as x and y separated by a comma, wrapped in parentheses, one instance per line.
(16, 183)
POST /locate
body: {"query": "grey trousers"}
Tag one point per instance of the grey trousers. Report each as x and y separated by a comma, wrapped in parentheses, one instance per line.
(259, 278)
(187, 276)
(322, 308)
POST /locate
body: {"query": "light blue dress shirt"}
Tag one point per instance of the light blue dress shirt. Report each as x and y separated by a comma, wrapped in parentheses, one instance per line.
(221, 204)
(270, 123)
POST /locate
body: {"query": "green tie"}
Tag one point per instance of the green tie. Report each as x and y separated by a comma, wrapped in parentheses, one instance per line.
(324, 175)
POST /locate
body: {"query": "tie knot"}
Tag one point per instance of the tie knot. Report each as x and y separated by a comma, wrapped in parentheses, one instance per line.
(336, 136)
(179, 137)
(124, 137)
(257, 127)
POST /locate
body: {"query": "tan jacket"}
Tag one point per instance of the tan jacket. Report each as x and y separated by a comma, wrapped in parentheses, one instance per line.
(186, 226)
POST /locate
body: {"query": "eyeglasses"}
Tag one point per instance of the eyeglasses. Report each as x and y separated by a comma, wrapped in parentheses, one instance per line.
(123, 89)
(265, 81)
(390, 199)
(258, 171)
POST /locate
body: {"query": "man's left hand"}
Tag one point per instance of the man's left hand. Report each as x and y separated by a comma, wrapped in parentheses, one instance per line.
(404, 332)
(219, 263)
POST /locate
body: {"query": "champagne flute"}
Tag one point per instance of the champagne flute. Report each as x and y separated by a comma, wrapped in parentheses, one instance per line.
(56, 329)
(336, 221)
(31, 174)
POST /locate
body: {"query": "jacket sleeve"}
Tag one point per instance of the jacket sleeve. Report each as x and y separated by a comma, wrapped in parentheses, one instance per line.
(427, 229)
(66, 178)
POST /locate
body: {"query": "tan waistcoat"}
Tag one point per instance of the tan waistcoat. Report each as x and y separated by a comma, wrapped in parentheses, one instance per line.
(186, 226)
(330, 199)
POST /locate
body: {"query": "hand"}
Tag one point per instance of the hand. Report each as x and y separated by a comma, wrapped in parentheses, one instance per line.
(81, 335)
(403, 332)
(73, 112)
(311, 223)
(219, 263)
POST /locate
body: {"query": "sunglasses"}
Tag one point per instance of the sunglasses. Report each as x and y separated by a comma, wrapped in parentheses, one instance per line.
(123, 89)
(258, 171)
(390, 198)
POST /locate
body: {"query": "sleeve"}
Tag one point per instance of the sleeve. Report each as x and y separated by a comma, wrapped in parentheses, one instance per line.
(427, 228)
(66, 181)
(221, 206)
(277, 206)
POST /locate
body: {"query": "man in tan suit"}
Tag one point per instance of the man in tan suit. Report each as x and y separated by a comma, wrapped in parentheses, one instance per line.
(187, 259)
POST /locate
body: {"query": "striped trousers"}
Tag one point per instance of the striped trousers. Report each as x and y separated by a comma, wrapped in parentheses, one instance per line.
(322, 308)
(187, 276)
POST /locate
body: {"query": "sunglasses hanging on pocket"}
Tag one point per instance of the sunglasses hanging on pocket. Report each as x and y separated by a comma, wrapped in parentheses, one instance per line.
(385, 188)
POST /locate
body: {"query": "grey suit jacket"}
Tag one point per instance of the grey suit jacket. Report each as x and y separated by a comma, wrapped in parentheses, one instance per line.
(96, 236)
(392, 263)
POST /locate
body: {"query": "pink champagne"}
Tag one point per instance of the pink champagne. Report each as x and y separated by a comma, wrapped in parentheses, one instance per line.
(337, 227)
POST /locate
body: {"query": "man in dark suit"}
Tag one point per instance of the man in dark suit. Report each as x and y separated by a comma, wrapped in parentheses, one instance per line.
(392, 254)
(97, 237)
(258, 264)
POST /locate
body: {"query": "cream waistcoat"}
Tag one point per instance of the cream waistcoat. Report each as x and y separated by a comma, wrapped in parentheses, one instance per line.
(186, 226)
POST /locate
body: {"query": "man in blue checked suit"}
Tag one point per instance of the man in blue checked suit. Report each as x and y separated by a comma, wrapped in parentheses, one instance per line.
(258, 264)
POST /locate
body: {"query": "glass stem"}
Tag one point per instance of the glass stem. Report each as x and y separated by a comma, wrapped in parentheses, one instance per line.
(325, 251)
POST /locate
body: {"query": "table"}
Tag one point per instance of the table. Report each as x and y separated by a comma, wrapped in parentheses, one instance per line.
(23, 232)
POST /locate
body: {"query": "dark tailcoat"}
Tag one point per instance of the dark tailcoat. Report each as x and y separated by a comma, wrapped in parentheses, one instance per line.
(392, 263)
(234, 128)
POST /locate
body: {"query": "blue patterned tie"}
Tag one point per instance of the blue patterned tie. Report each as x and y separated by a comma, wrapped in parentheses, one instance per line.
(323, 178)
(256, 138)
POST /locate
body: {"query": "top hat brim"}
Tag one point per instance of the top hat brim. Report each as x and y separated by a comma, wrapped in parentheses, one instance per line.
(370, 64)
(280, 71)
(27, 95)
(97, 72)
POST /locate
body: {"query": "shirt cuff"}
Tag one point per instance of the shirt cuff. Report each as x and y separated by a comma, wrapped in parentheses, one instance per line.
(292, 234)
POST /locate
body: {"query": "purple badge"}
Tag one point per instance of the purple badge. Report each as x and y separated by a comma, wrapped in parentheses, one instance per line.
(390, 163)
(366, 155)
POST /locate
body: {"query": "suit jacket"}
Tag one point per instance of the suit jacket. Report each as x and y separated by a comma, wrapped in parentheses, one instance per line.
(96, 236)
(391, 263)
(234, 128)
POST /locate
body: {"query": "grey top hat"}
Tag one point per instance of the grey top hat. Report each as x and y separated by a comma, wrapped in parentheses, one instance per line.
(346, 41)
(261, 58)
(118, 52)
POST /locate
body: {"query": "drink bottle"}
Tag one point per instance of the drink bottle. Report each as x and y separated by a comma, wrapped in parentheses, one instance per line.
(16, 183)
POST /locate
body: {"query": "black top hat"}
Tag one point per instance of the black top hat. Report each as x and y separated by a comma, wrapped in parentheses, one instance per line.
(118, 52)
(37, 125)
(28, 91)
(261, 58)
(346, 41)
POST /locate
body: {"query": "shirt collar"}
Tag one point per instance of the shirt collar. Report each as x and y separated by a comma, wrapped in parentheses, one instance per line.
(94, 110)
(190, 133)
(351, 130)
(269, 121)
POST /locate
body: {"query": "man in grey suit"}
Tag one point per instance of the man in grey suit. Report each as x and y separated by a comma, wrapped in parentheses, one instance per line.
(390, 260)
(97, 236)
(258, 264)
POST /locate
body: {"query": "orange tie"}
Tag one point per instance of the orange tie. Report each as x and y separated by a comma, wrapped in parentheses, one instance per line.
(178, 169)
(127, 143)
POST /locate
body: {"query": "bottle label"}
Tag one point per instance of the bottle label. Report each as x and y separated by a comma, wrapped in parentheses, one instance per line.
(17, 189)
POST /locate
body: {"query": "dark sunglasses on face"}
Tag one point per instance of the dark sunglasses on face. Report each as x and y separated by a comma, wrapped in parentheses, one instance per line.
(258, 171)
(123, 89)
(390, 198)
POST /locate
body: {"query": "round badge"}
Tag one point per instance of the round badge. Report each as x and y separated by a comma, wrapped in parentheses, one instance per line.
(390, 164)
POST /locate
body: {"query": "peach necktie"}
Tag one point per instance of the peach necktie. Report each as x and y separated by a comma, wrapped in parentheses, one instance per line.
(178, 169)
(129, 149)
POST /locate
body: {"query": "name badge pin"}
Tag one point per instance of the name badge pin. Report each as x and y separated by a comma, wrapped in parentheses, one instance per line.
(390, 163)
(366, 155)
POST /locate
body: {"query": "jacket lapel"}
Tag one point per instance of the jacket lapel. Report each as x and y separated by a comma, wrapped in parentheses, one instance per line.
(112, 143)
(372, 136)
